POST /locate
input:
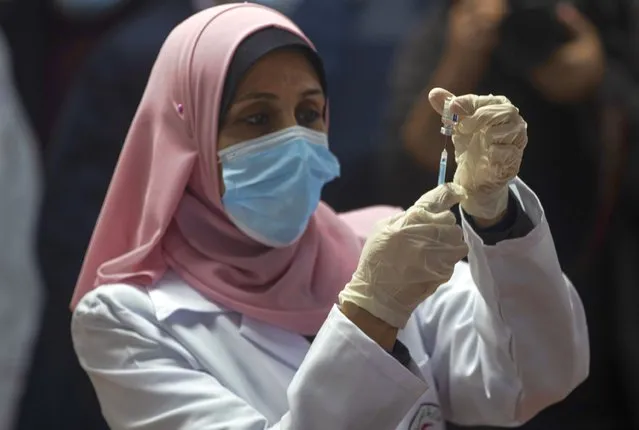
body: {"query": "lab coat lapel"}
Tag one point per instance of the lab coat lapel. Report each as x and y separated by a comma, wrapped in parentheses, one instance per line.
(287, 347)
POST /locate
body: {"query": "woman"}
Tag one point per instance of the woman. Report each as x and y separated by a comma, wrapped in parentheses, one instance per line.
(214, 267)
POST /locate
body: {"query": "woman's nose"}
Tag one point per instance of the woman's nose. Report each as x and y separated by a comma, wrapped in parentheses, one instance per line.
(289, 120)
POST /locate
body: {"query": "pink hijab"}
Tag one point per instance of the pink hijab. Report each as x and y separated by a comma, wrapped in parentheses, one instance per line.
(163, 208)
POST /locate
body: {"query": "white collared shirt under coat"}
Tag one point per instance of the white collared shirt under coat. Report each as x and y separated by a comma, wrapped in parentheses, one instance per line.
(503, 339)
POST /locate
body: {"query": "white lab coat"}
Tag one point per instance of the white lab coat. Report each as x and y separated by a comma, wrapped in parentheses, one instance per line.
(504, 338)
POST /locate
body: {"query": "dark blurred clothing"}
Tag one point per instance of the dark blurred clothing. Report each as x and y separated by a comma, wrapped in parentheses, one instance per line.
(79, 163)
(83, 10)
(564, 163)
(27, 26)
(70, 43)
(47, 50)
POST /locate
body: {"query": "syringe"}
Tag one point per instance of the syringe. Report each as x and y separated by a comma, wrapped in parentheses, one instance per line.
(443, 160)
(448, 122)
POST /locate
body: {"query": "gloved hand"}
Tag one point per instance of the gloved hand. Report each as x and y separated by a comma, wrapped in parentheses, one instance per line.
(489, 144)
(408, 257)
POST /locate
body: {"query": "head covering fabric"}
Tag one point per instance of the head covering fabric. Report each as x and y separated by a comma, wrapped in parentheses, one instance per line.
(256, 46)
(163, 209)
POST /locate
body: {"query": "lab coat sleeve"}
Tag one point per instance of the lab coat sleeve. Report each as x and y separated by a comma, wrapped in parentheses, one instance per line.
(508, 337)
(146, 380)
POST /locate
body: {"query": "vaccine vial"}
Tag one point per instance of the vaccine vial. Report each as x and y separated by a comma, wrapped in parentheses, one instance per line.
(448, 119)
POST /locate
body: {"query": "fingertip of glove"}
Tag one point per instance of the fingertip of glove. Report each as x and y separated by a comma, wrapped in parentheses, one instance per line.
(437, 97)
(438, 92)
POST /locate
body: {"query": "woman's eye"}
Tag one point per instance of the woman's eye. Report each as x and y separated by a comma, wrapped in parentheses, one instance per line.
(257, 119)
(307, 116)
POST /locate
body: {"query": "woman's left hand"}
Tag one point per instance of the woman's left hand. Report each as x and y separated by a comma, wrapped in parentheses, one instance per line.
(489, 141)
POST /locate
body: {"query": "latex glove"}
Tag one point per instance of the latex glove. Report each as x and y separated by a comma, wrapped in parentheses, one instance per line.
(408, 257)
(489, 144)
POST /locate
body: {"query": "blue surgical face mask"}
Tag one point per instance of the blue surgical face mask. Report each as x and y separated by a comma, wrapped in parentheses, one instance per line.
(273, 183)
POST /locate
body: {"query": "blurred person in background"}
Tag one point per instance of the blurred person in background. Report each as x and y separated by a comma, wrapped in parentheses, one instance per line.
(572, 70)
(20, 289)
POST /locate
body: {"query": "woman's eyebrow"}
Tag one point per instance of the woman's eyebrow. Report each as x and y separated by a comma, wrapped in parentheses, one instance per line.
(271, 96)
(256, 96)
(312, 92)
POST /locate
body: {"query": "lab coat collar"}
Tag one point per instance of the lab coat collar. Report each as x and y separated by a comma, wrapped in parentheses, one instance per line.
(171, 294)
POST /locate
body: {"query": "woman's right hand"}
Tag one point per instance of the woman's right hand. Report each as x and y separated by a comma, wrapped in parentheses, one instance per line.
(408, 258)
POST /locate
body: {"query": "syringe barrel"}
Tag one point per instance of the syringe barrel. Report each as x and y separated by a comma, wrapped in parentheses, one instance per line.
(443, 162)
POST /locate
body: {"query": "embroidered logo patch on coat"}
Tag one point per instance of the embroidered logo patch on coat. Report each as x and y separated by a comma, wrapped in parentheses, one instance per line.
(427, 417)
